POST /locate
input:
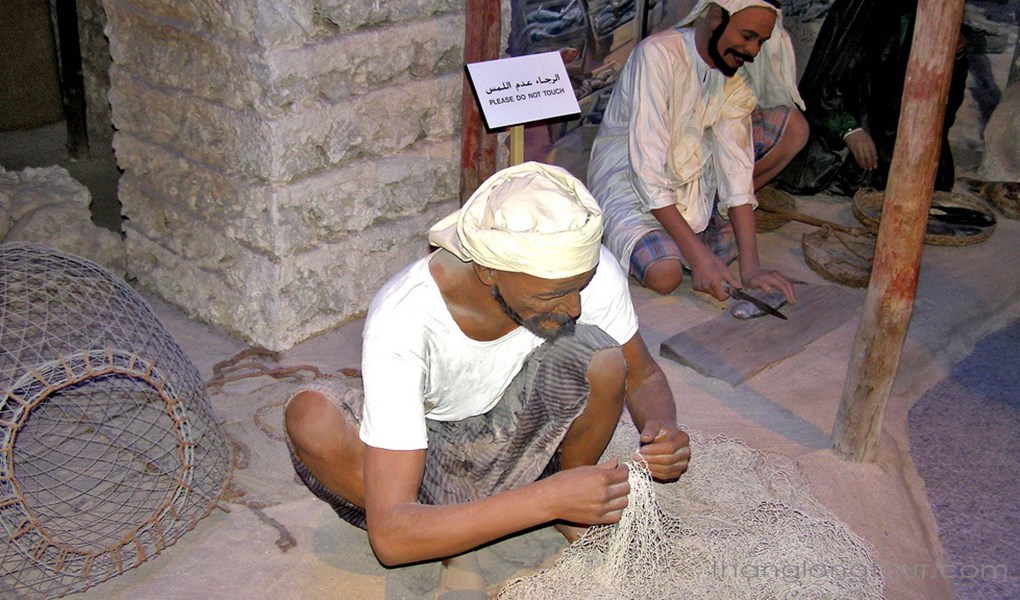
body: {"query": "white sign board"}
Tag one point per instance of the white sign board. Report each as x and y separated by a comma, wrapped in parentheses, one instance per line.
(522, 89)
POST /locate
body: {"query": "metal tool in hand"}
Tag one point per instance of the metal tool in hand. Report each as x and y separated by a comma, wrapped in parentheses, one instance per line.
(761, 304)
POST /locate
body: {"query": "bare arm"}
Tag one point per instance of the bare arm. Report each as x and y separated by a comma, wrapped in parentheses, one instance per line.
(751, 273)
(401, 530)
(650, 402)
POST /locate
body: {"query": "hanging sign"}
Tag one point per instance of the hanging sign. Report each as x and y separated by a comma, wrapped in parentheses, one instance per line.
(522, 89)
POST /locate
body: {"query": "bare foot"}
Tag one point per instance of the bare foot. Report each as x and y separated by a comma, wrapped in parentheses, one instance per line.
(571, 532)
(460, 578)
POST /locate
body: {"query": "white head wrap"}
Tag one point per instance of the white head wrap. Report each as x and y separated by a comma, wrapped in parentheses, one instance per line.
(530, 218)
(773, 74)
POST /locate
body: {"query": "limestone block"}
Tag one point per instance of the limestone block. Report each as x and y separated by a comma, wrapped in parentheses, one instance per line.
(279, 219)
(6, 191)
(239, 206)
(205, 244)
(158, 54)
(274, 304)
(177, 229)
(293, 218)
(170, 54)
(337, 203)
(206, 132)
(357, 62)
(234, 290)
(380, 123)
(336, 282)
(348, 15)
(8, 186)
(69, 228)
(265, 22)
(199, 293)
(283, 23)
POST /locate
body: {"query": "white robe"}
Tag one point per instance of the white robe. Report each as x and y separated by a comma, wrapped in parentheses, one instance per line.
(674, 133)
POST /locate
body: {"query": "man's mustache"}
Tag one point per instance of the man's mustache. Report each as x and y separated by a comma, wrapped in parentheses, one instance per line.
(744, 57)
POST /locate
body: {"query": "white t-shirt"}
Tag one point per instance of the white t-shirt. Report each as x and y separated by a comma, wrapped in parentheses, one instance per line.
(418, 364)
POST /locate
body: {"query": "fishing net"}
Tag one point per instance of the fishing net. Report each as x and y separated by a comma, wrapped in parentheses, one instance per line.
(108, 448)
(740, 524)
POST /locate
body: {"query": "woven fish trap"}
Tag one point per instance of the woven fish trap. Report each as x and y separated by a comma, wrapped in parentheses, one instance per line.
(1005, 197)
(109, 451)
(771, 199)
(867, 207)
(843, 257)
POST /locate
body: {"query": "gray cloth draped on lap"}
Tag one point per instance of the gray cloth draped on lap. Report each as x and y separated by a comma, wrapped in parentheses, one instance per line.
(513, 444)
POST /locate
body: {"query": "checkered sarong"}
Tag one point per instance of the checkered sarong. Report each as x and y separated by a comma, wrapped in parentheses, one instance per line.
(513, 444)
(767, 126)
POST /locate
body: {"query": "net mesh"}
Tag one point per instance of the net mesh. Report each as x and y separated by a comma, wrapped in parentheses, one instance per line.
(108, 448)
(740, 524)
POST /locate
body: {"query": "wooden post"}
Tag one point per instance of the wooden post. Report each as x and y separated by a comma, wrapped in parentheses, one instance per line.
(477, 147)
(72, 81)
(517, 144)
(889, 302)
(640, 20)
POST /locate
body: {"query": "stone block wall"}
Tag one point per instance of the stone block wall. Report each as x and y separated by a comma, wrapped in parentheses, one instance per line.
(95, 55)
(282, 160)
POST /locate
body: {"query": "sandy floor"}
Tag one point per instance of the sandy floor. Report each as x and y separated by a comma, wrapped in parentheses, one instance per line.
(279, 542)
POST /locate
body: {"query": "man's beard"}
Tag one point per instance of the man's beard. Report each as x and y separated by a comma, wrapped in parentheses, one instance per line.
(716, 56)
(534, 324)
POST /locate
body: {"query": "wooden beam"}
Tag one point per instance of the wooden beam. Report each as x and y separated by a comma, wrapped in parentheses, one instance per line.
(72, 81)
(477, 146)
(879, 340)
(640, 20)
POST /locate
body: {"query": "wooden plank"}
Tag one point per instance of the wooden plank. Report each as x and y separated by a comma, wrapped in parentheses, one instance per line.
(733, 350)
(477, 146)
(72, 80)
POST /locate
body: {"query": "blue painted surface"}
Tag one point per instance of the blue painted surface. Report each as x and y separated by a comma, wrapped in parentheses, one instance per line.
(965, 440)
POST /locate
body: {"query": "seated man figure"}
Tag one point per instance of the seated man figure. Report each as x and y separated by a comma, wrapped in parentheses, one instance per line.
(853, 89)
(675, 165)
(495, 372)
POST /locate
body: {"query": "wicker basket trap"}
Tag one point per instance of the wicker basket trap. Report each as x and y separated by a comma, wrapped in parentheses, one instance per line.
(771, 199)
(109, 451)
(867, 207)
(839, 256)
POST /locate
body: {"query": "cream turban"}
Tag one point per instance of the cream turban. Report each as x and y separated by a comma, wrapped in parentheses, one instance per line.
(530, 218)
(773, 74)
